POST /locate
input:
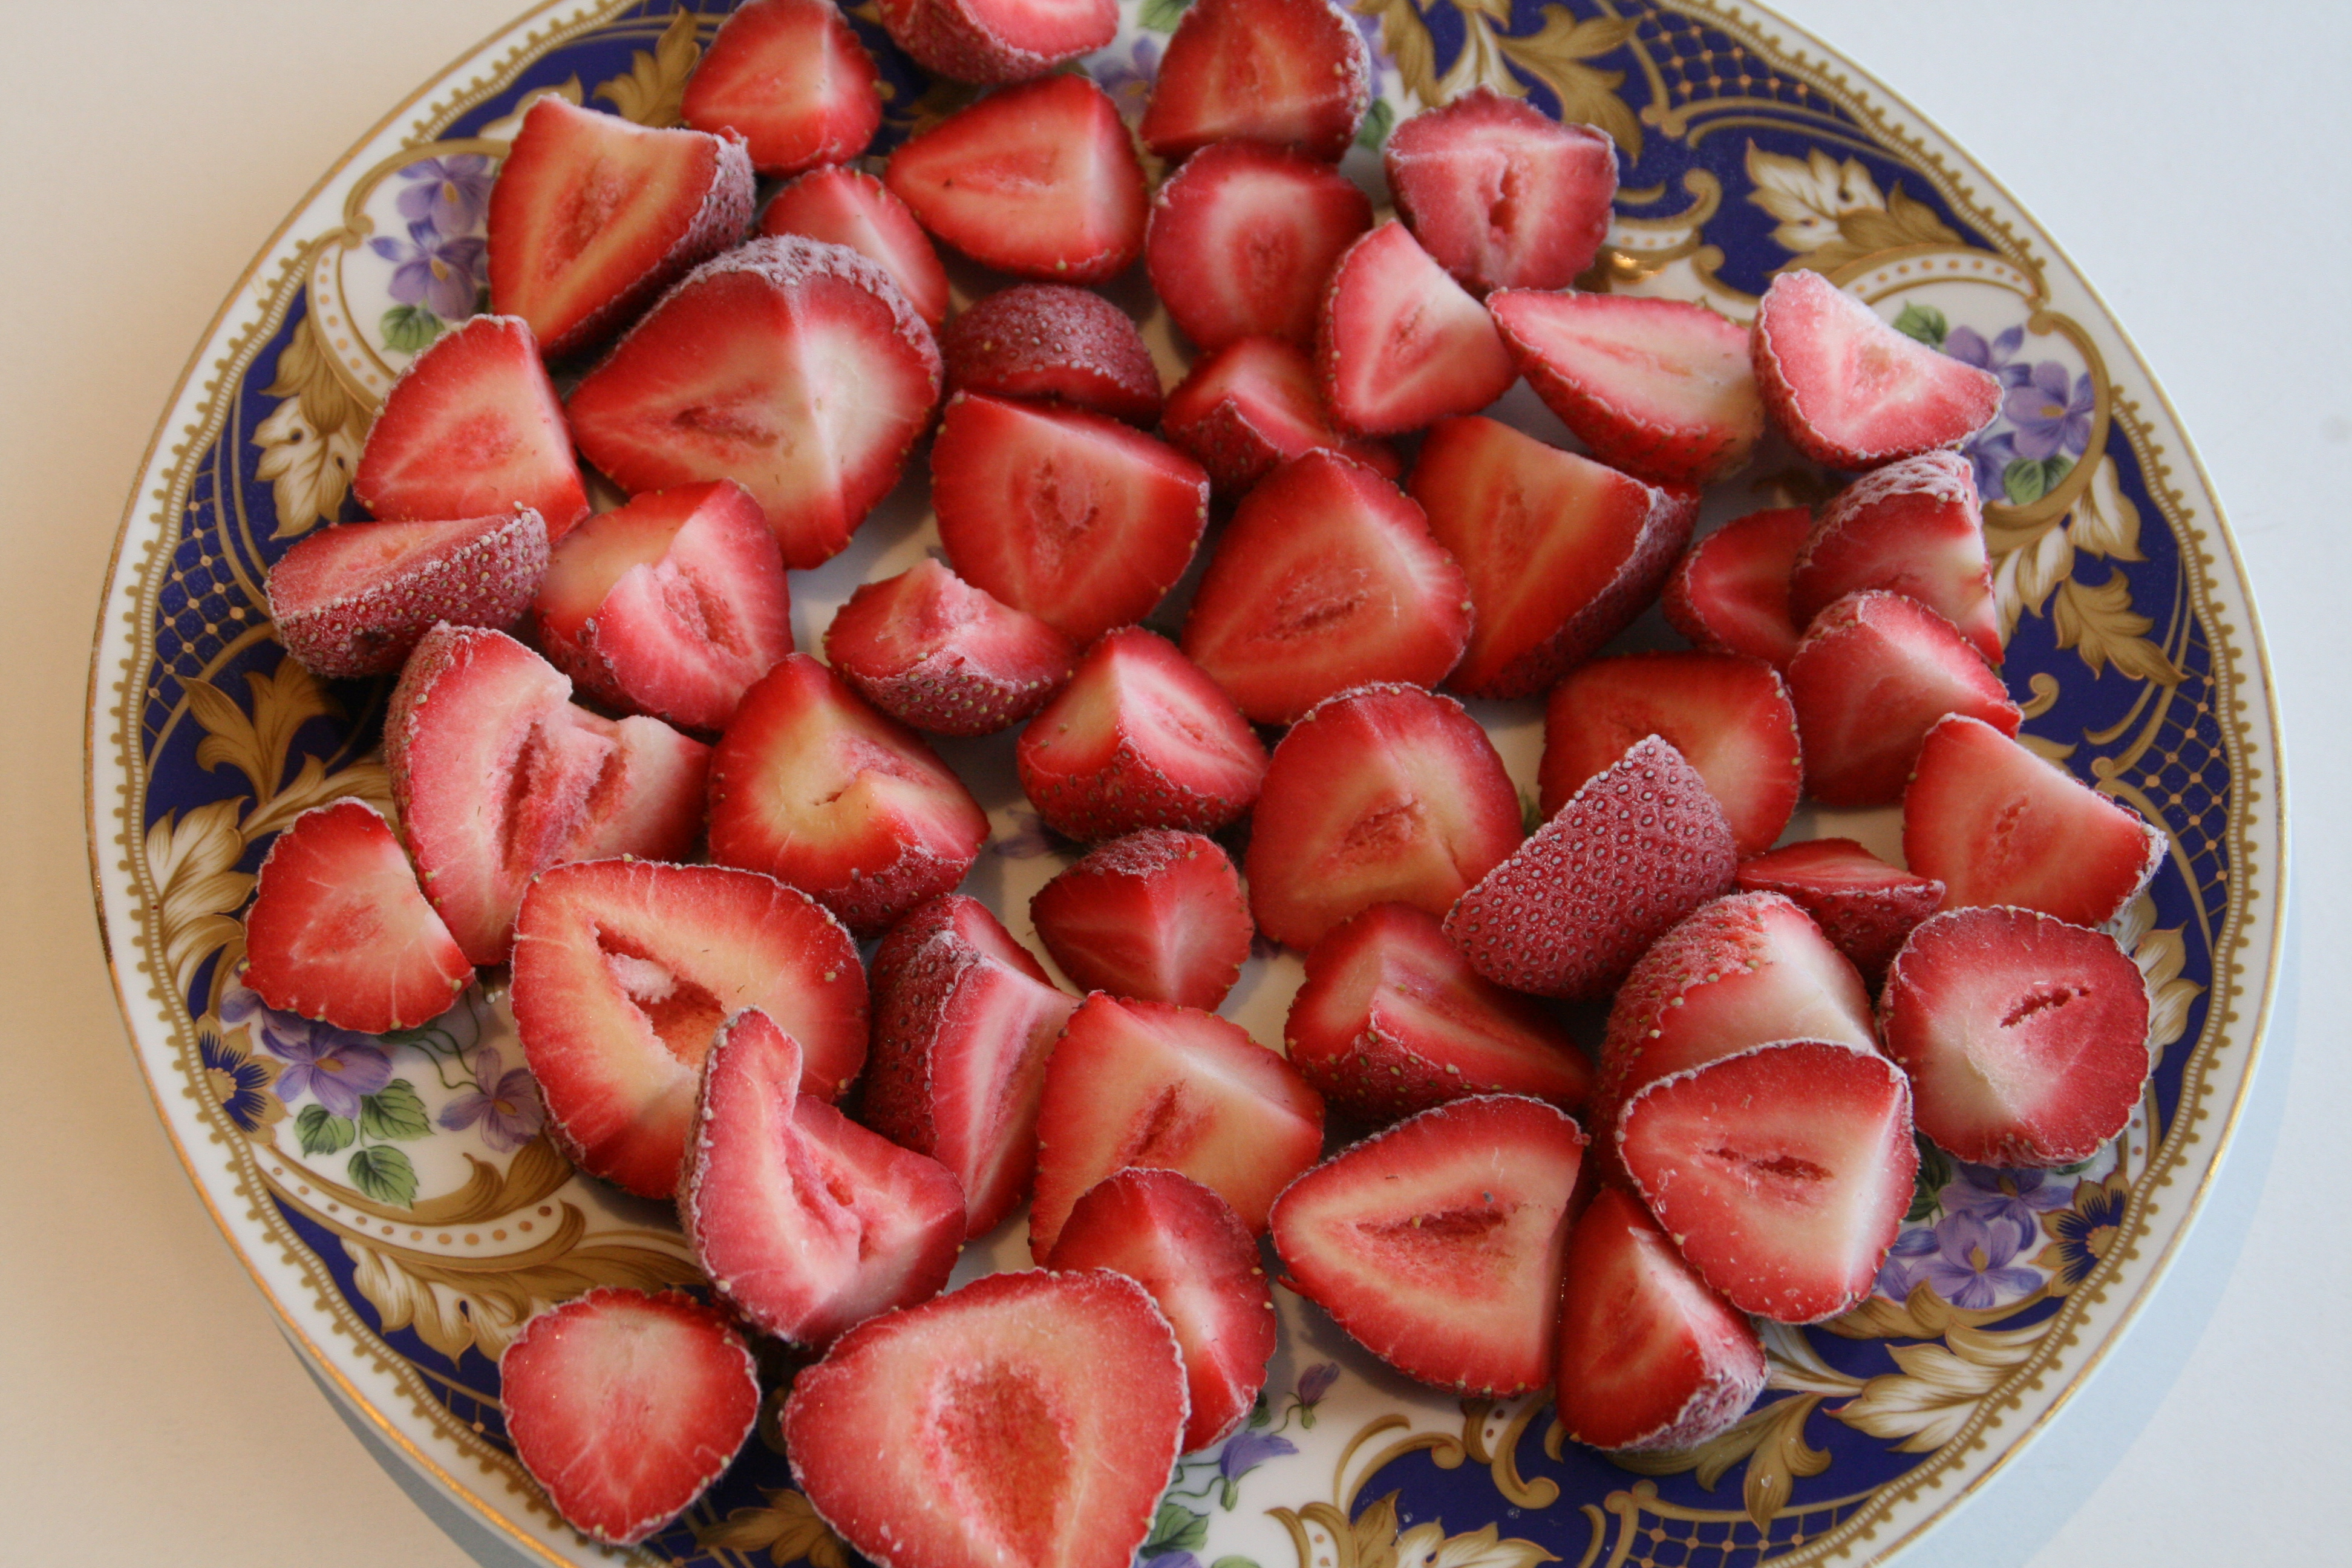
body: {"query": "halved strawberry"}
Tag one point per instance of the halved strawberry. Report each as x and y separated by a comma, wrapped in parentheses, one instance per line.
(1255, 403)
(1501, 194)
(1730, 590)
(1851, 392)
(625, 1407)
(849, 206)
(1399, 345)
(340, 931)
(356, 599)
(997, 40)
(1863, 904)
(1388, 793)
(792, 81)
(1288, 73)
(932, 650)
(1913, 528)
(1244, 236)
(1049, 339)
(647, 798)
(793, 366)
(471, 427)
(1157, 915)
(1039, 179)
(593, 216)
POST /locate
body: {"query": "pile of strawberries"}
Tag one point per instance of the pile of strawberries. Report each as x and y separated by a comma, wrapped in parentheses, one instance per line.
(1499, 1215)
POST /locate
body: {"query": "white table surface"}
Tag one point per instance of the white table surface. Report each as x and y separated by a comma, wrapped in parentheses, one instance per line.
(2198, 167)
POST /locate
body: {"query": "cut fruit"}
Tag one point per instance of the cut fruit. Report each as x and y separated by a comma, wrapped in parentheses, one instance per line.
(1503, 195)
(1863, 904)
(1051, 341)
(849, 206)
(1158, 916)
(1256, 403)
(1913, 528)
(1730, 590)
(357, 598)
(1243, 238)
(1285, 73)
(997, 40)
(1399, 345)
(792, 80)
(1851, 392)
(932, 650)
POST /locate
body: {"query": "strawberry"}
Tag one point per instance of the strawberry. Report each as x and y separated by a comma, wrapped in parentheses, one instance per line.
(1438, 1244)
(1288, 73)
(848, 206)
(357, 598)
(1076, 518)
(1863, 905)
(1998, 825)
(1174, 1089)
(737, 373)
(647, 797)
(1782, 1171)
(472, 426)
(593, 216)
(1157, 915)
(792, 81)
(623, 969)
(1326, 578)
(1049, 339)
(340, 931)
(1244, 236)
(1399, 345)
(1503, 195)
(1392, 1021)
(932, 650)
(1039, 179)
(1659, 388)
(1913, 528)
(1029, 1418)
(997, 40)
(1388, 792)
(1851, 392)
(1184, 1243)
(1730, 590)
(1562, 552)
(1255, 403)
(625, 1407)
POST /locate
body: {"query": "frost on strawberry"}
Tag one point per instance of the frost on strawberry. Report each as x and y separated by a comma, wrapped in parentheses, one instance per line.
(997, 40)
(1399, 345)
(1501, 194)
(357, 598)
(792, 80)
(1851, 392)
(842, 205)
(1863, 904)
(1913, 528)
(1158, 915)
(1253, 403)
(1730, 590)
(932, 650)
(1242, 239)
(1052, 340)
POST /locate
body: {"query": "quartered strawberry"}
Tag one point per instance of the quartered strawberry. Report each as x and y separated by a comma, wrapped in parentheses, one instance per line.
(1288, 73)
(1438, 1244)
(1253, 403)
(1863, 904)
(1388, 792)
(1158, 915)
(1913, 528)
(792, 80)
(849, 206)
(1851, 392)
(997, 40)
(1049, 339)
(1326, 578)
(1039, 180)
(932, 650)
(593, 216)
(1503, 195)
(1243, 238)
(1730, 590)
(355, 599)
(793, 366)
(340, 931)
(1399, 345)
(473, 426)
(625, 1407)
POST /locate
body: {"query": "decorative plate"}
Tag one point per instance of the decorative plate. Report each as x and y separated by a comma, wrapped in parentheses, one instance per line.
(402, 1210)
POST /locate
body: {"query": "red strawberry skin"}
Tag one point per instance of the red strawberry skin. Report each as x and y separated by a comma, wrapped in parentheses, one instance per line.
(997, 40)
(356, 599)
(1252, 405)
(1848, 390)
(932, 650)
(1502, 195)
(1730, 590)
(1284, 73)
(1913, 527)
(1242, 239)
(1158, 915)
(849, 206)
(791, 78)
(1863, 904)
(1051, 341)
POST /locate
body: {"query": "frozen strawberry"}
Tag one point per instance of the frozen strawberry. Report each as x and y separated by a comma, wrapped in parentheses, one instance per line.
(1851, 392)
(647, 797)
(1729, 715)
(848, 206)
(1243, 238)
(625, 1407)
(1039, 180)
(1783, 1172)
(790, 365)
(1174, 1089)
(1998, 825)
(1913, 528)
(1399, 345)
(1076, 518)
(1140, 738)
(340, 931)
(1157, 915)
(1875, 671)
(593, 216)
(471, 427)
(932, 650)
(1502, 195)
(1650, 1358)
(1388, 793)
(792, 81)
(1562, 552)
(623, 969)
(1730, 590)
(1392, 1020)
(1659, 388)
(1863, 904)
(1049, 339)
(997, 40)
(1288, 73)
(1326, 578)
(1029, 1418)
(355, 599)
(1255, 403)
(1438, 1244)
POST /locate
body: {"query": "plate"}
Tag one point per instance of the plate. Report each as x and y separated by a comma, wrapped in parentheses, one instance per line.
(395, 1199)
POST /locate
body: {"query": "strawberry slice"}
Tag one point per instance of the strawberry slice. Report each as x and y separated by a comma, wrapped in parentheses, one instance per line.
(647, 797)
(1039, 180)
(1782, 1171)
(932, 650)
(1851, 392)
(471, 427)
(1399, 345)
(1048, 340)
(1288, 73)
(1438, 1244)
(625, 1407)
(356, 599)
(1326, 579)
(1730, 590)
(1998, 825)
(340, 931)
(1913, 528)
(1243, 238)
(1503, 195)
(1863, 905)
(793, 366)
(1158, 915)
(997, 40)
(792, 80)
(849, 206)
(1388, 793)
(1255, 403)
(1659, 388)
(593, 216)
